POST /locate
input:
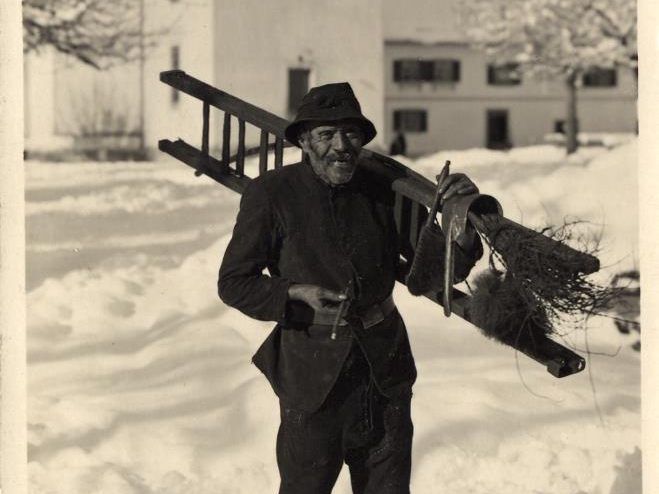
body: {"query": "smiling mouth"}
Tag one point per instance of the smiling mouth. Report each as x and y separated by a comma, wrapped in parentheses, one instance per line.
(342, 162)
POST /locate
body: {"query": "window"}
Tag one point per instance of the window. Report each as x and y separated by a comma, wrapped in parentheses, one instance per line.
(504, 75)
(407, 70)
(446, 70)
(298, 86)
(598, 77)
(175, 56)
(559, 126)
(418, 70)
(410, 120)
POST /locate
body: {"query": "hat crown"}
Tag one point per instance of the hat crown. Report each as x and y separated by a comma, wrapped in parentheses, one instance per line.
(331, 96)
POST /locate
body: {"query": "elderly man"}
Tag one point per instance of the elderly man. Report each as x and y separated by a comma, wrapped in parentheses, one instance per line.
(324, 230)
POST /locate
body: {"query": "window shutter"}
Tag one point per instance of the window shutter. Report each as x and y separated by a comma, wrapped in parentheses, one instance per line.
(423, 121)
(427, 68)
(397, 70)
(490, 74)
(456, 70)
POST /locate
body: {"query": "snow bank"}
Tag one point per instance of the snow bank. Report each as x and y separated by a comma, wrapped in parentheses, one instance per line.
(140, 379)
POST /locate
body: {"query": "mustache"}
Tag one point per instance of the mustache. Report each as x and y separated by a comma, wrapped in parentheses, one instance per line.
(341, 157)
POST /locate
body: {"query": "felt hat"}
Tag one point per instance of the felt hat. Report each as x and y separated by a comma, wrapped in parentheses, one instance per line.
(329, 103)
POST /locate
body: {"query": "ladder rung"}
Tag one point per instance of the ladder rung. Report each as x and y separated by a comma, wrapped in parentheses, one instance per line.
(240, 156)
(279, 152)
(263, 153)
(226, 139)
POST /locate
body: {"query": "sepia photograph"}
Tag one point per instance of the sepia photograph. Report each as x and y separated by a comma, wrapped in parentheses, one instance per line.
(313, 247)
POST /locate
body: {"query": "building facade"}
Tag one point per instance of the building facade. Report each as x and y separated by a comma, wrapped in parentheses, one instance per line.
(445, 95)
(268, 53)
(408, 64)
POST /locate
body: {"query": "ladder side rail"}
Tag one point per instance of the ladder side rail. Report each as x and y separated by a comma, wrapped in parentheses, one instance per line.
(226, 102)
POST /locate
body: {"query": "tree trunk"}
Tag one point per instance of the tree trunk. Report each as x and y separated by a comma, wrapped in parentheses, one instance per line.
(571, 121)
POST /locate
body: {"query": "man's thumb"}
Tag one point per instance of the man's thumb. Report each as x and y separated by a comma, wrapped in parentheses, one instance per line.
(331, 295)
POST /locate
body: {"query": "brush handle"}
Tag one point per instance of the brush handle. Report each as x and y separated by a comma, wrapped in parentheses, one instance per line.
(341, 310)
(449, 270)
(435, 204)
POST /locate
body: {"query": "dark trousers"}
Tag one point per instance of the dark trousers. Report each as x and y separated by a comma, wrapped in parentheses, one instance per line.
(355, 424)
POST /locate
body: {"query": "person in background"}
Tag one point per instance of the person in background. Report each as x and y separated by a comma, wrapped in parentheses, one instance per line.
(399, 145)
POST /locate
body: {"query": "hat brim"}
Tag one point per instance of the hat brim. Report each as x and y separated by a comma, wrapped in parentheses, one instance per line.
(292, 132)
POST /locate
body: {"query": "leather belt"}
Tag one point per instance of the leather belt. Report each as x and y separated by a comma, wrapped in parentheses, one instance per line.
(369, 316)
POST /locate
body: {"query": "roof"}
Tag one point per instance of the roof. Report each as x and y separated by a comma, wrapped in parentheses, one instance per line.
(422, 21)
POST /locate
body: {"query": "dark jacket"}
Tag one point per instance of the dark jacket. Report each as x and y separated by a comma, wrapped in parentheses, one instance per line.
(303, 231)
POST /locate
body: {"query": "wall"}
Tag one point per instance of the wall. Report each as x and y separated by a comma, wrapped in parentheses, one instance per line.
(245, 48)
(39, 103)
(188, 25)
(457, 111)
(87, 99)
(257, 42)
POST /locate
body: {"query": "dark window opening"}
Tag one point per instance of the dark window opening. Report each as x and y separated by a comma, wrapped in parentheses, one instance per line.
(497, 129)
(559, 126)
(599, 77)
(175, 56)
(410, 120)
(418, 70)
(298, 86)
(504, 75)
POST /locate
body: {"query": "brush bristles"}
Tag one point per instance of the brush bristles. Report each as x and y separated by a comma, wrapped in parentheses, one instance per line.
(504, 312)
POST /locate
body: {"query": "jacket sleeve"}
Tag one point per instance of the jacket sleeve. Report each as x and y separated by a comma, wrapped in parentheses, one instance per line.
(254, 246)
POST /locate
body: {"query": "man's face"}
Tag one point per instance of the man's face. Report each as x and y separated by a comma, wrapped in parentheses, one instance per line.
(333, 149)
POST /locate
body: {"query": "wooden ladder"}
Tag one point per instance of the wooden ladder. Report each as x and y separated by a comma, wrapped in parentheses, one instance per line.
(412, 190)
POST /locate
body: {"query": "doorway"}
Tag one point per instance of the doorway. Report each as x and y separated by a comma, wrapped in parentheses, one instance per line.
(497, 130)
(298, 85)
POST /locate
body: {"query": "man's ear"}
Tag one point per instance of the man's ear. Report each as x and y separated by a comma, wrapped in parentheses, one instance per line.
(303, 140)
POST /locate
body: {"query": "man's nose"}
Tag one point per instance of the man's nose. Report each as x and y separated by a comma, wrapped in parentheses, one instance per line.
(340, 141)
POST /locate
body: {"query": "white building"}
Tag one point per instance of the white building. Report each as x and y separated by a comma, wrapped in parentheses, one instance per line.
(268, 53)
(443, 94)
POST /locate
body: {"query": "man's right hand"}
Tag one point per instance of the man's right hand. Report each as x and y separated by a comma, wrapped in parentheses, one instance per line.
(319, 298)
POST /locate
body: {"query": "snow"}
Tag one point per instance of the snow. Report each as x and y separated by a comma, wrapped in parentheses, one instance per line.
(140, 379)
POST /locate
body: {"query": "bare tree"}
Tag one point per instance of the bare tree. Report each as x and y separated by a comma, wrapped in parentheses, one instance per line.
(97, 32)
(556, 38)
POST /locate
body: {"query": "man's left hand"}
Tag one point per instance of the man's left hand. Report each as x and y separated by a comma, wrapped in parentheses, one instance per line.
(457, 184)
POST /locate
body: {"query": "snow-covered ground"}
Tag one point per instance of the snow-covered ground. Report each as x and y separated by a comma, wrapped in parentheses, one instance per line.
(140, 379)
